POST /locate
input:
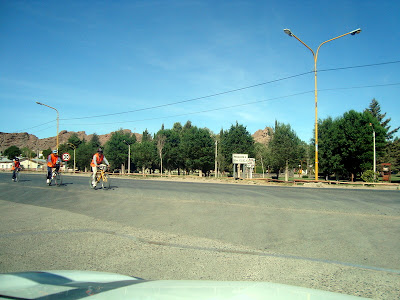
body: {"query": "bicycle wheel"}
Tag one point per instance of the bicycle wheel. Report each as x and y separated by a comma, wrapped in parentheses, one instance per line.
(58, 179)
(53, 176)
(105, 183)
(17, 176)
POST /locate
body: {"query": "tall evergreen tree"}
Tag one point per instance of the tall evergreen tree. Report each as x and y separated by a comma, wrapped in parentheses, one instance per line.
(375, 109)
(284, 148)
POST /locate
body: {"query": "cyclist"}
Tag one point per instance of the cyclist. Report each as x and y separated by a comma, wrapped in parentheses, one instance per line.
(16, 166)
(53, 161)
(98, 159)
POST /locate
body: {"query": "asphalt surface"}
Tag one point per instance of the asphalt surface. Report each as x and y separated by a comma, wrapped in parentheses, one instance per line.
(340, 240)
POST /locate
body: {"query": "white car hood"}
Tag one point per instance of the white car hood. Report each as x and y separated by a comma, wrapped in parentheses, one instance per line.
(100, 285)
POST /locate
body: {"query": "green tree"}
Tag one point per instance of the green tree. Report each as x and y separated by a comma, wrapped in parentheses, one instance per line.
(392, 155)
(12, 152)
(146, 136)
(172, 156)
(284, 148)
(84, 155)
(145, 152)
(375, 109)
(95, 141)
(236, 140)
(116, 149)
(74, 139)
(26, 152)
(354, 141)
(46, 153)
(328, 155)
(197, 148)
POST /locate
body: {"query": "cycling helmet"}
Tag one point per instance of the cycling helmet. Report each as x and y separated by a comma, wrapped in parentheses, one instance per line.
(55, 151)
(17, 159)
(100, 150)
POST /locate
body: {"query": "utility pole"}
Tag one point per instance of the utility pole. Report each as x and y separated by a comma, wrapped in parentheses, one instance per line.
(216, 152)
(129, 156)
(373, 135)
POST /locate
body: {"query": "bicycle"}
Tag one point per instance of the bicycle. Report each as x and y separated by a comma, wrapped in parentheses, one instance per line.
(17, 175)
(101, 177)
(56, 177)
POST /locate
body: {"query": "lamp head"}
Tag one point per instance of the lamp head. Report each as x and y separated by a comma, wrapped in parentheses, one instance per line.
(38, 103)
(287, 31)
(357, 31)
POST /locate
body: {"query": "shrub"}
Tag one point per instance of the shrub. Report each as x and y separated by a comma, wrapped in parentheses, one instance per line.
(368, 176)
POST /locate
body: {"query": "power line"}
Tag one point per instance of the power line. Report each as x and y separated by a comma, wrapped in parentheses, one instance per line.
(361, 87)
(35, 126)
(361, 66)
(232, 91)
(197, 112)
(43, 129)
(193, 99)
(238, 105)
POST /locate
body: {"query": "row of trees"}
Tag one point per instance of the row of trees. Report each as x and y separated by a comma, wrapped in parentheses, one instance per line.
(345, 147)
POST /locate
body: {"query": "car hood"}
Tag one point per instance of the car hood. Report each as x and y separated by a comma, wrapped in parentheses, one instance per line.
(100, 285)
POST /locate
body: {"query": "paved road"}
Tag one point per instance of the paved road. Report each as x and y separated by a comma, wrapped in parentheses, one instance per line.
(333, 239)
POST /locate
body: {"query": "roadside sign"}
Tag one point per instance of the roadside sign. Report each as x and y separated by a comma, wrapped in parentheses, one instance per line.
(66, 156)
(251, 163)
(240, 158)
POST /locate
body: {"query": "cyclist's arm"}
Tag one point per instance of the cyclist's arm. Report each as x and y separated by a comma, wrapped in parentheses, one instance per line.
(106, 161)
(94, 159)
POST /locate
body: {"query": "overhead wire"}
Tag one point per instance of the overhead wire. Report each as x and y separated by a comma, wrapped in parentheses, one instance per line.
(197, 112)
(237, 105)
(192, 99)
(222, 93)
(36, 126)
(231, 91)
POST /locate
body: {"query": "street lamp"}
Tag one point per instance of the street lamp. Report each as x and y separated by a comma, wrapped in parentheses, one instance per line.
(74, 147)
(58, 117)
(315, 55)
(129, 156)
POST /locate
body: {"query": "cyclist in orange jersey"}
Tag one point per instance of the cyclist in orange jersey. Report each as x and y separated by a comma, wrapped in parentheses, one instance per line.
(53, 161)
(97, 159)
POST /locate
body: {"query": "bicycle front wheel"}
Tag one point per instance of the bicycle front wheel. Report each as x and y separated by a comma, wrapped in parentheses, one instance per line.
(91, 182)
(17, 176)
(58, 179)
(105, 183)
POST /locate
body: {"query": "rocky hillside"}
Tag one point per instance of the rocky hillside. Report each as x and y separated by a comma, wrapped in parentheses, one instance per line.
(263, 136)
(33, 142)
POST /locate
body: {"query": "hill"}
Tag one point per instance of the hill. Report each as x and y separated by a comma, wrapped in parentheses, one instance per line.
(31, 141)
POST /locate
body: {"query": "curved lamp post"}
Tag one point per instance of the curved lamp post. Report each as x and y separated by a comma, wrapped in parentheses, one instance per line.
(315, 55)
(58, 117)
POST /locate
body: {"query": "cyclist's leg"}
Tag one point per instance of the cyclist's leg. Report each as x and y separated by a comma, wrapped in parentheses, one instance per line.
(49, 170)
(94, 169)
(13, 176)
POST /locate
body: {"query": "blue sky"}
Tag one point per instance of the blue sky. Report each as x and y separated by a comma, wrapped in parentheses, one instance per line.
(91, 58)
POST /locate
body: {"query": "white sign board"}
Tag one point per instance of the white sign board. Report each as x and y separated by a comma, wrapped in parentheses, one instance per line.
(251, 162)
(240, 158)
(66, 157)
